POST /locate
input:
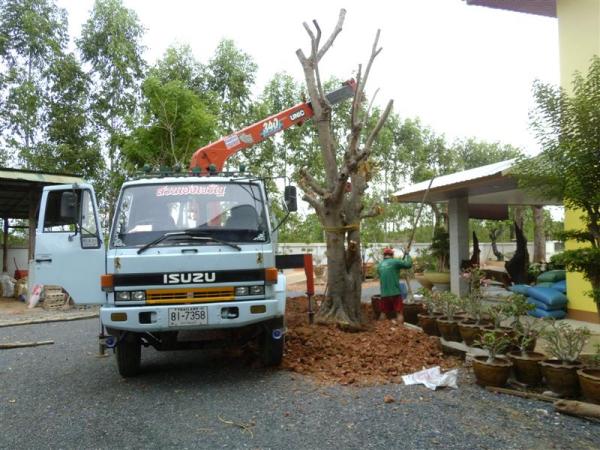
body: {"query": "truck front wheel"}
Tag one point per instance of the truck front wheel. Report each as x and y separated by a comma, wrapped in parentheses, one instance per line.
(272, 343)
(129, 355)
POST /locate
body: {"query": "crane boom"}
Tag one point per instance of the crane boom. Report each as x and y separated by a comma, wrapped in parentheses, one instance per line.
(216, 153)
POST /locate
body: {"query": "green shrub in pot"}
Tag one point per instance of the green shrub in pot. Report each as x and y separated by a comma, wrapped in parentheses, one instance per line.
(565, 343)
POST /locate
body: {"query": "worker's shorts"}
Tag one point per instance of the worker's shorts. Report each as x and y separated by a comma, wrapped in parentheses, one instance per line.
(392, 303)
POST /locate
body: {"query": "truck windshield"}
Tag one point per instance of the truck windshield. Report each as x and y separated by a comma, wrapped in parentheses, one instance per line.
(232, 212)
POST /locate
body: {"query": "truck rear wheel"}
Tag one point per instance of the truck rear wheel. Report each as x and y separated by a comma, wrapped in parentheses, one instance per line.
(129, 355)
(272, 343)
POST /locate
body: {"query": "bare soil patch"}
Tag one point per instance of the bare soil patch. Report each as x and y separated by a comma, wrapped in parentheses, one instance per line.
(381, 354)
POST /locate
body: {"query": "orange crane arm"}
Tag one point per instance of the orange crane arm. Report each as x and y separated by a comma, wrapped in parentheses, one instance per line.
(219, 151)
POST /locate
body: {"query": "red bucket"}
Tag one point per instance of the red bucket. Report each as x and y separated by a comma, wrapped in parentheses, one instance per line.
(21, 274)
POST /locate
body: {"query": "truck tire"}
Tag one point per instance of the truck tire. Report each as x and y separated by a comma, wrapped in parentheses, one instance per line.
(272, 343)
(129, 355)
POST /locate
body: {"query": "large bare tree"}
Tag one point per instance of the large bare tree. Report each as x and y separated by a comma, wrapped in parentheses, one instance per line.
(337, 196)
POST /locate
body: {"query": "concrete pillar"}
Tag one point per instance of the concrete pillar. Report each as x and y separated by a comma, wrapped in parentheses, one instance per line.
(458, 229)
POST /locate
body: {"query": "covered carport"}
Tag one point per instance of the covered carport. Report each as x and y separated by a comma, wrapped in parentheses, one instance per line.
(20, 193)
(481, 193)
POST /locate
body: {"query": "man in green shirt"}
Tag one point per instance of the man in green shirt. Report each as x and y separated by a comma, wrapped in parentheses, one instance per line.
(389, 282)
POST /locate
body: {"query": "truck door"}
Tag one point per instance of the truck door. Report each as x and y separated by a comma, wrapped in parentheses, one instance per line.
(69, 247)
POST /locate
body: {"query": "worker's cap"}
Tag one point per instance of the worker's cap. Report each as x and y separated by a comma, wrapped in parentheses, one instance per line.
(388, 251)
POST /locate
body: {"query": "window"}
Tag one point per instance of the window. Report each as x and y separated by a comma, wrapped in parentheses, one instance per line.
(234, 212)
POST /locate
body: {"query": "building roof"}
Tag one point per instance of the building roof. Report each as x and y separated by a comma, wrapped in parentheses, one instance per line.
(487, 187)
(20, 190)
(538, 7)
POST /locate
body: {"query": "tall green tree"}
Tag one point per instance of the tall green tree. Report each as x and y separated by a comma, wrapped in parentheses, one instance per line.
(230, 74)
(470, 153)
(175, 123)
(567, 126)
(70, 144)
(110, 44)
(33, 34)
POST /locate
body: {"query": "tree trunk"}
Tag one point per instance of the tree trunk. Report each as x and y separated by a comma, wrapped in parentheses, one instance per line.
(344, 276)
(539, 235)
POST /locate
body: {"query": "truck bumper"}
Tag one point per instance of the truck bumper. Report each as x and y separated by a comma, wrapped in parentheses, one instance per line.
(154, 318)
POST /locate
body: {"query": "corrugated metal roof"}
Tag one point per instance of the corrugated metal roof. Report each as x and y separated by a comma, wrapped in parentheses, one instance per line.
(499, 168)
(20, 190)
(39, 177)
(486, 185)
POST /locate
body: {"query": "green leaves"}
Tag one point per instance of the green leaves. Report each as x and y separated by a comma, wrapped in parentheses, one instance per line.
(175, 124)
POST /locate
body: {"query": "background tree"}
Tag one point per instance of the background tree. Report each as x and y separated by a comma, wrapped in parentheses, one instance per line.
(230, 75)
(337, 199)
(33, 34)
(568, 128)
(110, 43)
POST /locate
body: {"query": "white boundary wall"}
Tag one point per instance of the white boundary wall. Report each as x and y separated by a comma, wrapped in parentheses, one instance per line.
(19, 254)
(319, 253)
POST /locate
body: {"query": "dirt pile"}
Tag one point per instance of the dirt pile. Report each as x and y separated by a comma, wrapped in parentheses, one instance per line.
(382, 354)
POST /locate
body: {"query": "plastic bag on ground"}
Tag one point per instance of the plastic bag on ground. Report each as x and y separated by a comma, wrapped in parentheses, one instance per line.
(34, 298)
(432, 378)
(8, 285)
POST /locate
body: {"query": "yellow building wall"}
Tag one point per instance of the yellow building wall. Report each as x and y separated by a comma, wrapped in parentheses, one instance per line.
(579, 40)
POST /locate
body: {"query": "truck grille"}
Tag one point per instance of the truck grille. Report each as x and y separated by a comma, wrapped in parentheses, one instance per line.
(166, 296)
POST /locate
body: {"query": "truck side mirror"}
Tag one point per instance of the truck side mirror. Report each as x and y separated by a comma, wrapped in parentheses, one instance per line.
(290, 199)
(68, 206)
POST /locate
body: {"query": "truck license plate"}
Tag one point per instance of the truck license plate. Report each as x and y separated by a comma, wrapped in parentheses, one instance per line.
(190, 315)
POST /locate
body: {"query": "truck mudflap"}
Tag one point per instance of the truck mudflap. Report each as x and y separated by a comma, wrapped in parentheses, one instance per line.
(200, 316)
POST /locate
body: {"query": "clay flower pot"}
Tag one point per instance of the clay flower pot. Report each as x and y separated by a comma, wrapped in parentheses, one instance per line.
(423, 281)
(561, 378)
(589, 380)
(428, 324)
(494, 373)
(449, 329)
(470, 331)
(526, 367)
(411, 312)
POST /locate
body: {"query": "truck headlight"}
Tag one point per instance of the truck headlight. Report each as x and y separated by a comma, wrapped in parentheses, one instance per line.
(257, 290)
(122, 296)
(138, 296)
(241, 290)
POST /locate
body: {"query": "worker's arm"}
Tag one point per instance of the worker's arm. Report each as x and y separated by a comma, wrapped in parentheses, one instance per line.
(404, 263)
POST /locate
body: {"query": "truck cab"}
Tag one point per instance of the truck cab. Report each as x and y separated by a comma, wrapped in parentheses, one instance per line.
(185, 256)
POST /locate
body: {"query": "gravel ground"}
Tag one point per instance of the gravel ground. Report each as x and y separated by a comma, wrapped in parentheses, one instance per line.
(65, 396)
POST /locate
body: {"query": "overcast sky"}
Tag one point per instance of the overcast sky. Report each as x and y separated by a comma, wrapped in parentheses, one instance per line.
(463, 70)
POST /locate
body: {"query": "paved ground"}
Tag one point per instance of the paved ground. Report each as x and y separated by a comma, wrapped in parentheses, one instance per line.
(64, 396)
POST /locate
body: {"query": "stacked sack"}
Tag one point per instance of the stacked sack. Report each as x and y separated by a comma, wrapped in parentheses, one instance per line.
(548, 295)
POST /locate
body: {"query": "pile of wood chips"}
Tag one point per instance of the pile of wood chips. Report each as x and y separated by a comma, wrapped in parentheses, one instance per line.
(381, 354)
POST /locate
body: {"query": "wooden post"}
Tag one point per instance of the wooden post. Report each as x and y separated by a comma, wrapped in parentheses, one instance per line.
(33, 201)
(5, 246)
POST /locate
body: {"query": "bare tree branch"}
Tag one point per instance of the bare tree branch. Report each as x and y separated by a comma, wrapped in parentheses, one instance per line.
(371, 106)
(309, 31)
(334, 33)
(312, 183)
(378, 127)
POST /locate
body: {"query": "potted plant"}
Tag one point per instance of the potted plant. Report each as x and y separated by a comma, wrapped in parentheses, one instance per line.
(423, 262)
(471, 327)
(427, 319)
(498, 315)
(589, 378)
(440, 249)
(492, 370)
(447, 323)
(565, 344)
(516, 309)
(525, 361)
